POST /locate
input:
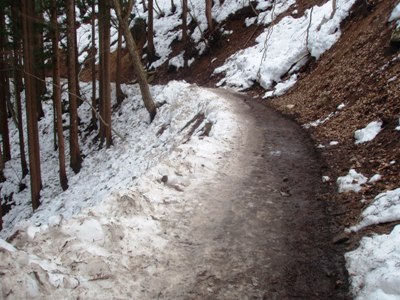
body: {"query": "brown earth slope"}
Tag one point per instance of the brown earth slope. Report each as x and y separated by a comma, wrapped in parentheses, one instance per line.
(362, 71)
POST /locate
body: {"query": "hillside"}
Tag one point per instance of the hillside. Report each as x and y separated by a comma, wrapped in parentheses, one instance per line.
(135, 218)
(354, 83)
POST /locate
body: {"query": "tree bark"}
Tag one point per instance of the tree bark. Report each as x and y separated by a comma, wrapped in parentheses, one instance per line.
(38, 49)
(120, 95)
(151, 51)
(105, 88)
(93, 58)
(57, 97)
(75, 159)
(209, 15)
(18, 87)
(31, 103)
(137, 64)
(3, 92)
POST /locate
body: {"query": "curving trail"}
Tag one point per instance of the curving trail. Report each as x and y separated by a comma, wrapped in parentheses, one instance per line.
(258, 231)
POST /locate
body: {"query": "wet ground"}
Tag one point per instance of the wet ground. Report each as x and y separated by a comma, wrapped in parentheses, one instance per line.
(259, 230)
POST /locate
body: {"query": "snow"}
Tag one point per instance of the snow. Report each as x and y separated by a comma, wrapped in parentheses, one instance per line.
(351, 182)
(384, 208)
(282, 47)
(122, 165)
(395, 15)
(374, 269)
(368, 133)
(375, 178)
(398, 127)
(107, 222)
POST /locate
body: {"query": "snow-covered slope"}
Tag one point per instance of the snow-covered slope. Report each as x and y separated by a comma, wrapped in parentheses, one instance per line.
(106, 223)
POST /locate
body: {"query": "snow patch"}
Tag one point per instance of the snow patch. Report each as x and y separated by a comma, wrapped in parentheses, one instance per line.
(368, 133)
(351, 182)
(285, 46)
(374, 267)
(384, 208)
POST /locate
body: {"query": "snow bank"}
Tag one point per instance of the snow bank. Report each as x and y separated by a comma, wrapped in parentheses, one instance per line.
(374, 267)
(102, 237)
(120, 166)
(384, 208)
(351, 182)
(368, 133)
(286, 47)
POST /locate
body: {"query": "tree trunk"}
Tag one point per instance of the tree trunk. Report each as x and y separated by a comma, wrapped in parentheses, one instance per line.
(75, 160)
(151, 51)
(31, 102)
(184, 31)
(209, 15)
(105, 88)
(3, 92)
(57, 97)
(107, 73)
(18, 87)
(93, 58)
(120, 95)
(137, 64)
(38, 49)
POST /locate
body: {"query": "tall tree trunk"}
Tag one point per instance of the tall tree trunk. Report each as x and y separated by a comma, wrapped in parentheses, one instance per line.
(75, 160)
(120, 94)
(184, 30)
(137, 64)
(38, 48)
(107, 78)
(3, 91)
(151, 51)
(31, 103)
(209, 15)
(105, 88)
(93, 58)
(18, 87)
(57, 97)
(102, 129)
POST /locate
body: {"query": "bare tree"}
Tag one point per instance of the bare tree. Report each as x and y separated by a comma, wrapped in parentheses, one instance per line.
(75, 155)
(123, 17)
(31, 102)
(57, 96)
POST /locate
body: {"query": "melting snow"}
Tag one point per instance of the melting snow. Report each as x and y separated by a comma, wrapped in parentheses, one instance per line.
(368, 133)
(351, 182)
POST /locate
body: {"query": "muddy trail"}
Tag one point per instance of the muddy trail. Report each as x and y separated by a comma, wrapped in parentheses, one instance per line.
(259, 230)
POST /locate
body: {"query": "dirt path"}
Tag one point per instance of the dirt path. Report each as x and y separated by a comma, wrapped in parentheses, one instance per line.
(258, 231)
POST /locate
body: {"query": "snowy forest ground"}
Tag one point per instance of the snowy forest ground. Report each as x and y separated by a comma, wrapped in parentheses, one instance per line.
(352, 85)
